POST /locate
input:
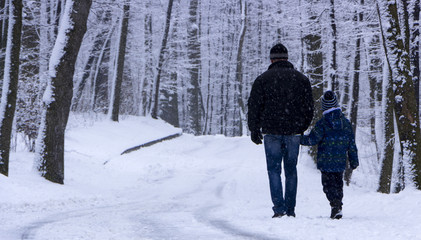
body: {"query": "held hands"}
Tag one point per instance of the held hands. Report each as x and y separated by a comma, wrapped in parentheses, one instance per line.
(256, 137)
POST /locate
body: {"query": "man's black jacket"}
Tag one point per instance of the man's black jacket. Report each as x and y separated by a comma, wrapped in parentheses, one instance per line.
(281, 101)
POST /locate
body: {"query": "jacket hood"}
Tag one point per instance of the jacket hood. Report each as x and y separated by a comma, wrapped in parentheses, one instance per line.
(281, 64)
(334, 119)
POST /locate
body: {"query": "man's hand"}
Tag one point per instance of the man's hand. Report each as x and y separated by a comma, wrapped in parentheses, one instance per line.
(256, 137)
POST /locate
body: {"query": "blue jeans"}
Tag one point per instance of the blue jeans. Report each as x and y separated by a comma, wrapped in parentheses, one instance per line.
(286, 148)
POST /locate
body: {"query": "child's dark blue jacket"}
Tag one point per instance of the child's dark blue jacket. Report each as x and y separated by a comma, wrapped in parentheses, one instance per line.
(336, 141)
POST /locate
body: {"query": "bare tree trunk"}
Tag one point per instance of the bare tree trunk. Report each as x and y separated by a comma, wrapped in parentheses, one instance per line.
(194, 107)
(207, 126)
(170, 105)
(238, 89)
(314, 66)
(389, 139)
(161, 60)
(118, 79)
(405, 100)
(4, 18)
(415, 50)
(355, 89)
(57, 100)
(388, 128)
(147, 84)
(10, 82)
(333, 64)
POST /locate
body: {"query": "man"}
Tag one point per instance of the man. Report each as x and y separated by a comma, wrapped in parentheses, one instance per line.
(281, 107)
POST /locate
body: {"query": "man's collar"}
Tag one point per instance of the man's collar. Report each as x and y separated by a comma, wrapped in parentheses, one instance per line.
(281, 64)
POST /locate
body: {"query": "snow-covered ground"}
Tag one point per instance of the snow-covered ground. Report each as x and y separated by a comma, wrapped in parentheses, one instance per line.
(209, 187)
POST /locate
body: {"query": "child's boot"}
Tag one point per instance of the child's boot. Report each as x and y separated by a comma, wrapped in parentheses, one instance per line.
(336, 213)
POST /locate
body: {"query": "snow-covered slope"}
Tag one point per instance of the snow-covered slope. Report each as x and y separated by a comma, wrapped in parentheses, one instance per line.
(209, 187)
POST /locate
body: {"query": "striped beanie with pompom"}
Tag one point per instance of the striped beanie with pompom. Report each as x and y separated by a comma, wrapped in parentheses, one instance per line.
(329, 100)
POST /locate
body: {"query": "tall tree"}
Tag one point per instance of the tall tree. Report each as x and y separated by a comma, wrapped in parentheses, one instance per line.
(333, 66)
(148, 72)
(388, 128)
(3, 33)
(240, 106)
(356, 85)
(161, 60)
(415, 49)
(313, 66)
(404, 93)
(170, 109)
(28, 108)
(118, 75)
(58, 96)
(10, 82)
(194, 95)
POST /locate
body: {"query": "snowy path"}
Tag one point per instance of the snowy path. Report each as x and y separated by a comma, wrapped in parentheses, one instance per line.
(176, 216)
(195, 188)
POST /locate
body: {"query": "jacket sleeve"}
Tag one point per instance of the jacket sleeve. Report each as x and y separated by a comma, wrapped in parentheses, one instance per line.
(255, 106)
(315, 136)
(352, 151)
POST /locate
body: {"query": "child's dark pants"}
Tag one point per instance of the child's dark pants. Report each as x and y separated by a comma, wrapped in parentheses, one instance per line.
(333, 187)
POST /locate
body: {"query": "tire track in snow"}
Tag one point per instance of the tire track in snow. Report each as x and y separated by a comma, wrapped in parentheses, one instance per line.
(134, 212)
(169, 221)
(204, 215)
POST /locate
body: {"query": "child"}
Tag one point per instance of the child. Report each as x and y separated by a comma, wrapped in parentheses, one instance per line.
(335, 139)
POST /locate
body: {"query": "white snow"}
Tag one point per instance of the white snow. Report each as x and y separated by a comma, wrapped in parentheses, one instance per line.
(208, 187)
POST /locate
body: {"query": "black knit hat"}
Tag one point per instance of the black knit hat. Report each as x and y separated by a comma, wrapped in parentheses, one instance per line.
(329, 100)
(279, 51)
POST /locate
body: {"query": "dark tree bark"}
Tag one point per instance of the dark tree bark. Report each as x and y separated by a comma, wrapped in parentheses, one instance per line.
(58, 13)
(10, 83)
(115, 101)
(4, 22)
(194, 105)
(56, 109)
(169, 111)
(388, 128)
(415, 50)
(388, 144)
(333, 64)
(389, 140)
(161, 60)
(405, 105)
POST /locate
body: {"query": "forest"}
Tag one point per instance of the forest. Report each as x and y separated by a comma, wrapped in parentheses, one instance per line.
(191, 63)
